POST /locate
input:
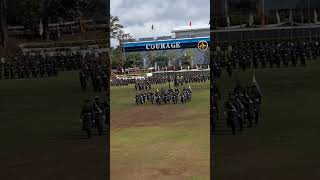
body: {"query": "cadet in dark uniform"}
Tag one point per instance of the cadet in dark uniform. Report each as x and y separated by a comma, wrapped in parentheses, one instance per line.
(98, 114)
(231, 116)
(106, 110)
(86, 117)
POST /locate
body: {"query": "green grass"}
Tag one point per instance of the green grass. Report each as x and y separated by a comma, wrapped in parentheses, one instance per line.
(40, 116)
(181, 145)
(285, 144)
(35, 112)
(40, 132)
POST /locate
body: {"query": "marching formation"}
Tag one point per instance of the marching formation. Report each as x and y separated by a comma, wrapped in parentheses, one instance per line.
(95, 74)
(39, 65)
(242, 107)
(164, 96)
(145, 84)
(92, 115)
(264, 54)
(26, 66)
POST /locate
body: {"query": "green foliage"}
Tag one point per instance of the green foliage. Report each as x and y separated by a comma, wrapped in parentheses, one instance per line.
(115, 26)
(116, 30)
(29, 12)
(172, 56)
(117, 58)
(134, 60)
(151, 58)
(187, 56)
(161, 59)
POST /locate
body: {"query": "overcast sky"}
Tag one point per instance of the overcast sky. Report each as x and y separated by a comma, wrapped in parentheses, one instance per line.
(139, 15)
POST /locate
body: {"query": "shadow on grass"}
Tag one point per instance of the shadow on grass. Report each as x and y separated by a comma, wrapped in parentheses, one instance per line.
(75, 137)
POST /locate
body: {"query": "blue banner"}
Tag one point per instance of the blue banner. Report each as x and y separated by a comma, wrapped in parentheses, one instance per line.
(165, 44)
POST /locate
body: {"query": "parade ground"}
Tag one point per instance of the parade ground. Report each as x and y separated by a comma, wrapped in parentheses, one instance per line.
(41, 133)
(285, 144)
(160, 142)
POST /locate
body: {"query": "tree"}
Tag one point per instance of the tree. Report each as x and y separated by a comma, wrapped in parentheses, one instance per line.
(116, 30)
(115, 26)
(118, 59)
(161, 59)
(54, 11)
(151, 58)
(172, 56)
(134, 60)
(186, 57)
(3, 23)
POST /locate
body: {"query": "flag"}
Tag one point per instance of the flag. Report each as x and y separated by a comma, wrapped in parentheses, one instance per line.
(315, 16)
(290, 18)
(251, 20)
(41, 28)
(190, 24)
(302, 16)
(278, 17)
(256, 84)
(228, 21)
(152, 27)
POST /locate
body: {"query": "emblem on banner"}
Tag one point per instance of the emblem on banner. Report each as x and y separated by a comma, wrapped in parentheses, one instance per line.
(203, 45)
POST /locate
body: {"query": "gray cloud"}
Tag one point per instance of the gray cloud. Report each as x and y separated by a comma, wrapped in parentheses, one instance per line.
(139, 15)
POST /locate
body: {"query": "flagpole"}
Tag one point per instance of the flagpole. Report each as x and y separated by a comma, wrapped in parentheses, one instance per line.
(309, 11)
(154, 31)
(291, 22)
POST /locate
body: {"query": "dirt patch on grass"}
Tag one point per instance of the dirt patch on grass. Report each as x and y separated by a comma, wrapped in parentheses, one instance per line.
(141, 116)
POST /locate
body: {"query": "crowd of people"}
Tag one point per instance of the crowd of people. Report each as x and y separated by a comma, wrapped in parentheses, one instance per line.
(264, 54)
(94, 114)
(164, 96)
(95, 74)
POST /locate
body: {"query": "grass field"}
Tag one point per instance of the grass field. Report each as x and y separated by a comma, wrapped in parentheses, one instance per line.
(41, 138)
(40, 131)
(167, 142)
(286, 143)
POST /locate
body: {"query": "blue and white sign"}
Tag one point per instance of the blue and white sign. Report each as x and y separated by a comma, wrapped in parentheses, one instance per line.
(164, 44)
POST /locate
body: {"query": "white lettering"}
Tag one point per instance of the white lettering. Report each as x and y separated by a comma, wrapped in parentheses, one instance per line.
(176, 45)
